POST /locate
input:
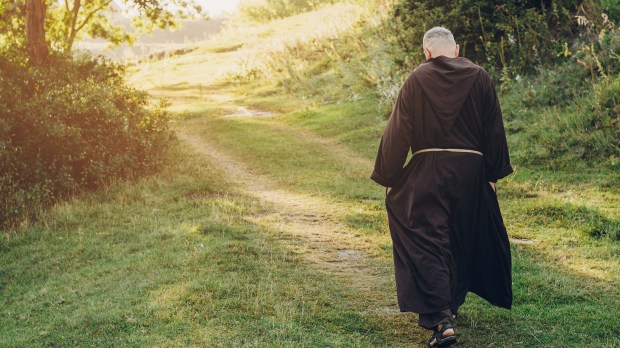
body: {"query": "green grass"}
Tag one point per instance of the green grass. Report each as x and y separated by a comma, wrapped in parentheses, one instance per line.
(557, 120)
(170, 260)
(282, 155)
(175, 259)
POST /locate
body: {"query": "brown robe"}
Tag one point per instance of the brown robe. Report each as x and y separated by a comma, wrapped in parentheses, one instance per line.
(444, 219)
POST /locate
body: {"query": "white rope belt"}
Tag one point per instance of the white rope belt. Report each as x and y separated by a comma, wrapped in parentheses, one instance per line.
(448, 150)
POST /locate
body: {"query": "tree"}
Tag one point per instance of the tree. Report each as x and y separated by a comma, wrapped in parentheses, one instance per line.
(71, 19)
(35, 26)
(35, 31)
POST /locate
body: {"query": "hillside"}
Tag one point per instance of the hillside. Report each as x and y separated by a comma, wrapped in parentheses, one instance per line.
(265, 230)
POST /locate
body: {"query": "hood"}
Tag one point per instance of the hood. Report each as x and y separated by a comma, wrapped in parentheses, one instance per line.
(446, 83)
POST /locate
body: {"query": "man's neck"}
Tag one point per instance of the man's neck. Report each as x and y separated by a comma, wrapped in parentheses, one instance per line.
(447, 55)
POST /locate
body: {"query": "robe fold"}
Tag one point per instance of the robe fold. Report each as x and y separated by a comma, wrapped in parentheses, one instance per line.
(444, 218)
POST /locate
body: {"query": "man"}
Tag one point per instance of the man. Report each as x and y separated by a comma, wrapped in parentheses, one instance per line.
(445, 223)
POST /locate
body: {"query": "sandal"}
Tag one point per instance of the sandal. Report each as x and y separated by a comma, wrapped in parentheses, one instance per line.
(441, 338)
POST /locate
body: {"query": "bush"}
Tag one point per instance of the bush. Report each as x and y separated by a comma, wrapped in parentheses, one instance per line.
(72, 126)
(518, 34)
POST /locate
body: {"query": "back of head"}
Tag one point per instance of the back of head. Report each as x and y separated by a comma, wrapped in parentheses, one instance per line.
(438, 39)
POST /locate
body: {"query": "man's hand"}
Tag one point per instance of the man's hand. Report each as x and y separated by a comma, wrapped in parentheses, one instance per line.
(493, 186)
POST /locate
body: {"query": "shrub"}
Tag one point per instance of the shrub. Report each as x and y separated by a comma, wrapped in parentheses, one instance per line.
(72, 126)
(496, 34)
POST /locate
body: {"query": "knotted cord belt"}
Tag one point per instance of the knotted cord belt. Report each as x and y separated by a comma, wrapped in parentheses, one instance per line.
(448, 150)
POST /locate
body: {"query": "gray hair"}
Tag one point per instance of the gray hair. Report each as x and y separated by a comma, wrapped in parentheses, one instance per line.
(438, 37)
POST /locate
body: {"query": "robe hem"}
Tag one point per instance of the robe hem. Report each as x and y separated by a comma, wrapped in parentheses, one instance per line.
(507, 305)
(411, 310)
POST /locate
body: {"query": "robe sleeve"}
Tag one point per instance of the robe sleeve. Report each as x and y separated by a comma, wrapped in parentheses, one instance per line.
(396, 139)
(495, 148)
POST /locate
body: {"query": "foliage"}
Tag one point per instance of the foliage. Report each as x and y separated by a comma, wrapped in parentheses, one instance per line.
(68, 21)
(72, 126)
(560, 119)
(12, 36)
(601, 55)
(496, 34)
(568, 116)
(267, 10)
(611, 7)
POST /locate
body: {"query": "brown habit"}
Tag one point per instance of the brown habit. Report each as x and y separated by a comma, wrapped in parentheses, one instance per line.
(446, 227)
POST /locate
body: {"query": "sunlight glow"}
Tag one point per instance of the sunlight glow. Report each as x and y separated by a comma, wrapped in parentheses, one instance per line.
(218, 7)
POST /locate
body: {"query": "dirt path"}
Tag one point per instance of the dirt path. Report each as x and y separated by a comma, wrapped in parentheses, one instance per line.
(311, 227)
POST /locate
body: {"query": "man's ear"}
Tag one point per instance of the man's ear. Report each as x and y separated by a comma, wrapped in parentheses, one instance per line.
(427, 53)
(456, 51)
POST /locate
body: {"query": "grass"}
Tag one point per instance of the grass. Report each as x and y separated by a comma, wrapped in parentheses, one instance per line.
(170, 260)
(557, 120)
(177, 259)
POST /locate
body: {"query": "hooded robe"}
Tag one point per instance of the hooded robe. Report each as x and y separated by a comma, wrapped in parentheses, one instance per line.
(444, 219)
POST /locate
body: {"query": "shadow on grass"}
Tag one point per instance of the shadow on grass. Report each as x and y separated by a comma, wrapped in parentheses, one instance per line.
(567, 215)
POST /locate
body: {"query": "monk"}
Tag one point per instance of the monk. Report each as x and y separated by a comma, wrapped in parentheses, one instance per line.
(444, 219)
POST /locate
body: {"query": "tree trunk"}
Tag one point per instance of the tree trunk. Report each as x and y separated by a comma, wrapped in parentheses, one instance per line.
(72, 31)
(35, 32)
